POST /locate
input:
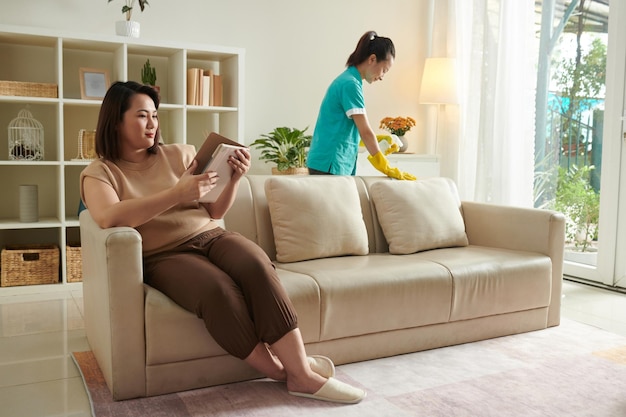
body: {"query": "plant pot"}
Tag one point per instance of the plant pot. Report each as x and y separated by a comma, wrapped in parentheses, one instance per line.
(156, 88)
(576, 255)
(128, 28)
(290, 171)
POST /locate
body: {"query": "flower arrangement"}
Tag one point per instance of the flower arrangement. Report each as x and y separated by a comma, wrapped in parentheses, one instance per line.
(397, 125)
(127, 9)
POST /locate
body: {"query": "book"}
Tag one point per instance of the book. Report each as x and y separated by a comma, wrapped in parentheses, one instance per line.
(216, 91)
(206, 90)
(213, 156)
(193, 86)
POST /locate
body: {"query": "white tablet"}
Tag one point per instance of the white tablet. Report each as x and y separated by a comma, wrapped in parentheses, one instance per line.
(219, 163)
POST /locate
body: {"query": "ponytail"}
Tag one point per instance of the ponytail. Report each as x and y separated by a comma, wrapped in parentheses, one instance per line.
(370, 43)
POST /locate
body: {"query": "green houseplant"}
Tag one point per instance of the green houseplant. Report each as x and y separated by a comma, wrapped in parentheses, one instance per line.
(129, 27)
(286, 147)
(148, 74)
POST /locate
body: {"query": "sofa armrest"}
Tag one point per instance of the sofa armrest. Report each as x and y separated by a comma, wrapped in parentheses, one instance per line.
(525, 229)
(113, 297)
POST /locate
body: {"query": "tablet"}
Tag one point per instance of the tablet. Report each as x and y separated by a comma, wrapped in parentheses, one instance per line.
(213, 156)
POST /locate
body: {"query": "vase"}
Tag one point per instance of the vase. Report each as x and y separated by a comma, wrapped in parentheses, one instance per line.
(29, 203)
(128, 28)
(405, 144)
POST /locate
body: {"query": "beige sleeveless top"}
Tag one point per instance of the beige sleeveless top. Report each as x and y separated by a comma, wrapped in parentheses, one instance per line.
(160, 171)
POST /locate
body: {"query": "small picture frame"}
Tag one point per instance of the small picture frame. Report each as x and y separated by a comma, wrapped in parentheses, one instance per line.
(94, 83)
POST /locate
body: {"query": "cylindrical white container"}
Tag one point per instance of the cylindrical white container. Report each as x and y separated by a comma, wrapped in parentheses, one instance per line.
(29, 203)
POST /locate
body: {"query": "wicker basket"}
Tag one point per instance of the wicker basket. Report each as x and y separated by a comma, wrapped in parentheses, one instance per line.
(73, 261)
(19, 88)
(29, 265)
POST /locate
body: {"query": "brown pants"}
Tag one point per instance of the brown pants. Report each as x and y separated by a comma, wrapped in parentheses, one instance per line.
(229, 282)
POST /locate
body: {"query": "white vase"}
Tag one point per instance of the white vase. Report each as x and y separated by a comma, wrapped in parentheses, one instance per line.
(128, 28)
(404, 143)
(29, 203)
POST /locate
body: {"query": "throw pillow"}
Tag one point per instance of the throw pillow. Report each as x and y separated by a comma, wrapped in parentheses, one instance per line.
(315, 217)
(419, 215)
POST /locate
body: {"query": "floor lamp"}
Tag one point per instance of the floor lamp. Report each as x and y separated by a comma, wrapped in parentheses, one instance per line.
(439, 86)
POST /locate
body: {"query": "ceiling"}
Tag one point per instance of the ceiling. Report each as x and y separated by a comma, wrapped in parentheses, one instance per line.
(595, 14)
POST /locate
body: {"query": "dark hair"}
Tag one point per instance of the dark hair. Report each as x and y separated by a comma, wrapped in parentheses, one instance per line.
(114, 105)
(370, 43)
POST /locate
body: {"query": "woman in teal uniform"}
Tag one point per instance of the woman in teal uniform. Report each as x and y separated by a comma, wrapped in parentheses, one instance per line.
(342, 121)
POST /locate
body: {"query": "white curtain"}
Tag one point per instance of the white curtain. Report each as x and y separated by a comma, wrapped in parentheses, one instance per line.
(490, 136)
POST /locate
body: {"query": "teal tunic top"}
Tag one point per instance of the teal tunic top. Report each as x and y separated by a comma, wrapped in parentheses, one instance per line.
(335, 143)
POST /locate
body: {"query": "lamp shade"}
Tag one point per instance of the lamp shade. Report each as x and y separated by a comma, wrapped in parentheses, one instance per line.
(439, 82)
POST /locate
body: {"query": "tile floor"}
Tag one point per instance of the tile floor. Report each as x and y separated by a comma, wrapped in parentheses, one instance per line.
(38, 333)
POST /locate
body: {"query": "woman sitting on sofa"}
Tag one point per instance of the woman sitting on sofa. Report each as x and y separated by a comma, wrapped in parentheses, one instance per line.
(224, 278)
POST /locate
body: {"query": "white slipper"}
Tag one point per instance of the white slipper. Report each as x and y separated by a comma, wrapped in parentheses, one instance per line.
(321, 365)
(335, 391)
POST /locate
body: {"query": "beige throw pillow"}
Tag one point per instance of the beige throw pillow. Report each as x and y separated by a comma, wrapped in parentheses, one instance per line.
(315, 217)
(419, 215)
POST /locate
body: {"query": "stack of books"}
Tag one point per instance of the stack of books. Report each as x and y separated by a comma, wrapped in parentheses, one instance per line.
(204, 88)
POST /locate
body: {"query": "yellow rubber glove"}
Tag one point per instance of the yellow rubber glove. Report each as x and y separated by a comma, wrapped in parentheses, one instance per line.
(382, 164)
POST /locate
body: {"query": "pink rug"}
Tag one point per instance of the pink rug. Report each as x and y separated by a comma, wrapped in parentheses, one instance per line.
(569, 370)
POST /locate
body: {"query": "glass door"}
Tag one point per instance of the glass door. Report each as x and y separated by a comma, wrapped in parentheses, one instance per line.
(579, 107)
(611, 267)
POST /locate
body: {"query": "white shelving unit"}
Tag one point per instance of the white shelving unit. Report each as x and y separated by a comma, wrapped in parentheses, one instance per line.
(43, 56)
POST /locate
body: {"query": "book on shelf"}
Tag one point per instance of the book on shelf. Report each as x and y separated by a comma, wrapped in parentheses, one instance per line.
(213, 156)
(204, 88)
(192, 86)
(217, 90)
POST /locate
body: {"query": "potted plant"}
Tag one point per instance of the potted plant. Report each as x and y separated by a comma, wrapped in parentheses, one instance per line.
(398, 126)
(148, 75)
(287, 148)
(129, 27)
(580, 204)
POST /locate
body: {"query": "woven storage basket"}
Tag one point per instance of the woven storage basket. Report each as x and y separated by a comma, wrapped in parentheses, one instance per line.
(19, 88)
(74, 262)
(29, 265)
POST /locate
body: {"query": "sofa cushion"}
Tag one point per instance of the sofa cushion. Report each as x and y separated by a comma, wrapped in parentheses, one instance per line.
(167, 323)
(377, 293)
(492, 281)
(315, 217)
(419, 215)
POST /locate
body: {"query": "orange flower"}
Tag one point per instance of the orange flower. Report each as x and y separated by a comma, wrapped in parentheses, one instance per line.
(397, 125)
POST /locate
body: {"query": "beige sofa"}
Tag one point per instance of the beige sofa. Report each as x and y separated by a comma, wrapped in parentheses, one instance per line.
(502, 277)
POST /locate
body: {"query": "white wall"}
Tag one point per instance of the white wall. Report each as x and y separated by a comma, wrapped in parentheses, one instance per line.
(294, 48)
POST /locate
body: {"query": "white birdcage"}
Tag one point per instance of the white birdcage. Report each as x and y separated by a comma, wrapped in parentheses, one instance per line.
(25, 137)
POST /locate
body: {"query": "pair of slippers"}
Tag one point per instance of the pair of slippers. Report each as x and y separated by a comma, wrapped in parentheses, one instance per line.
(333, 390)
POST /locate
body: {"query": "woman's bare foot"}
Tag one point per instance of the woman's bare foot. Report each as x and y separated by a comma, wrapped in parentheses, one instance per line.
(263, 360)
(308, 382)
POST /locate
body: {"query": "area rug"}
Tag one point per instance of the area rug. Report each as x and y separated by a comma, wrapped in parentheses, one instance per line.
(570, 370)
